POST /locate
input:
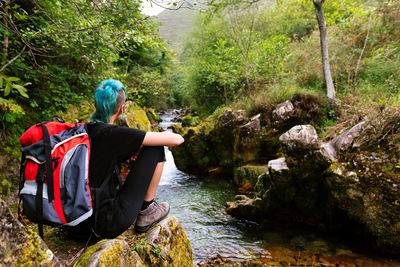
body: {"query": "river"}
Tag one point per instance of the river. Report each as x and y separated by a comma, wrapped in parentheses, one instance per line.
(199, 204)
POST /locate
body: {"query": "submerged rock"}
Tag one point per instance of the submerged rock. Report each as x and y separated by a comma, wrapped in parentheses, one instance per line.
(19, 247)
(245, 207)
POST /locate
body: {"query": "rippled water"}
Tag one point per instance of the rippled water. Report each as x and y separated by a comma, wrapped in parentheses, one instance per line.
(199, 204)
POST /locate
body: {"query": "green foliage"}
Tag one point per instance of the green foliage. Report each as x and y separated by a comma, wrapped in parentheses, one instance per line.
(65, 48)
(157, 251)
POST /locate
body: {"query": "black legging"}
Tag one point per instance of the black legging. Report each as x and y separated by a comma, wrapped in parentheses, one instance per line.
(122, 210)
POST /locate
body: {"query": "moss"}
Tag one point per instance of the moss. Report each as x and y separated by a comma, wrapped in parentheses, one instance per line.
(5, 187)
(175, 250)
(80, 113)
(189, 121)
(89, 251)
(32, 254)
(152, 115)
(136, 117)
(247, 176)
(110, 257)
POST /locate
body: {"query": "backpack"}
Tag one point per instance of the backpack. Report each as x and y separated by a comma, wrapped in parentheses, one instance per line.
(54, 174)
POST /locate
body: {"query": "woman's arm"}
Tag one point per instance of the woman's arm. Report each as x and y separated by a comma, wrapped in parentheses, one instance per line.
(162, 139)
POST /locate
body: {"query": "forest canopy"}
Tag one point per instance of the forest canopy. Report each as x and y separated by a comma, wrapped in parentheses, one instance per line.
(54, 53)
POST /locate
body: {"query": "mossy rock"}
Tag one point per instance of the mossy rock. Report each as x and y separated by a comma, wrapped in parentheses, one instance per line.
(153, 116)
(246, 177)
(112, 252)
(78, 113)
(19, 246)
(196, 154)
(190, 121)
(136, 117)
(369, 197)
(166, 244)
(5, 187)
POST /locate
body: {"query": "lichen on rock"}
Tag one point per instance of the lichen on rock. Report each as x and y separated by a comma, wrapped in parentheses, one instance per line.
(112, 252)
(166, 244)
(19, 247)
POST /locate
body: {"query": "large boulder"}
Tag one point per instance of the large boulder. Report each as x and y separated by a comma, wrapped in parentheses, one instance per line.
(196, 154)
(136, 117)
(222, 136)
(302, 149)
(364, 190)
(209, 144)
(165, 244)
(19, 247)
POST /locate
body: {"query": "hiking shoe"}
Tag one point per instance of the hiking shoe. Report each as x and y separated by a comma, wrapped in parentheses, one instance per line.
(151, 215)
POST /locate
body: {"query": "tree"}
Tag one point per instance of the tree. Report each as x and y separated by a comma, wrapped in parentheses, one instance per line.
(330, 88)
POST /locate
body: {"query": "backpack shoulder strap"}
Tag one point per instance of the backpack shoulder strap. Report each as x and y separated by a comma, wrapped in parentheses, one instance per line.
(49, 162)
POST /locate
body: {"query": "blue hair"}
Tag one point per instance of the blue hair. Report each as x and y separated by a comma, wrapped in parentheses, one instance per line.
(108, 99)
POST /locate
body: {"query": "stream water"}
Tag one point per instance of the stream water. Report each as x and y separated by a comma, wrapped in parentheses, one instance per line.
(199, 204)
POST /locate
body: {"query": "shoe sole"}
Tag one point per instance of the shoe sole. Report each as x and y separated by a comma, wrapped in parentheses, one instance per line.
(142, 229)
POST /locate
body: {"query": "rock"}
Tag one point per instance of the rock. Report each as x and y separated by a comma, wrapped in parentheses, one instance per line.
(246, 177)
(368, 195)
(300, 137)
(166, 244)
(245, 207)
(282, 112)
(136, 117)
(222, 136)
(247, 144)
(230, 119)
(304, 151)
(153, 116)
(190, 121)
(352, 138)
(80, 113)
(196, 155)
(19, 247)
(112, 252)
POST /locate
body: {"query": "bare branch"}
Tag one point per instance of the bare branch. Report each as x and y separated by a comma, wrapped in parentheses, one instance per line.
(44, 12)
(13, 59)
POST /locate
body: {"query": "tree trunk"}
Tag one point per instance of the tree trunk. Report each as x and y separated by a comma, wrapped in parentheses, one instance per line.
(5, 44)
(330, 88)
(247, 73)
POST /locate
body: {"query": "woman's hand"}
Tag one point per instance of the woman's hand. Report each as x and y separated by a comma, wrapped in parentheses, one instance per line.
(162, 139)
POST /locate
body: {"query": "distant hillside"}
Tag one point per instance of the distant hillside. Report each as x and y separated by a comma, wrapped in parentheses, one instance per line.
(175, 25)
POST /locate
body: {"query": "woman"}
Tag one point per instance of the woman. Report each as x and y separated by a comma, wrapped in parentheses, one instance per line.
(116, 206)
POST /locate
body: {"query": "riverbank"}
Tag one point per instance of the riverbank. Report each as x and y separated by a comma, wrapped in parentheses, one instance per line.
(346, 183)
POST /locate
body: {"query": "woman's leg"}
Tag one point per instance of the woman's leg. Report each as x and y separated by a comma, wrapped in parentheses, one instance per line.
(148, 166)
(151, 191)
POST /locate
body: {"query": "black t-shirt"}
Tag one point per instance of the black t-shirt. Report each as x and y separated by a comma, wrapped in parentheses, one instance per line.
(110, 145)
